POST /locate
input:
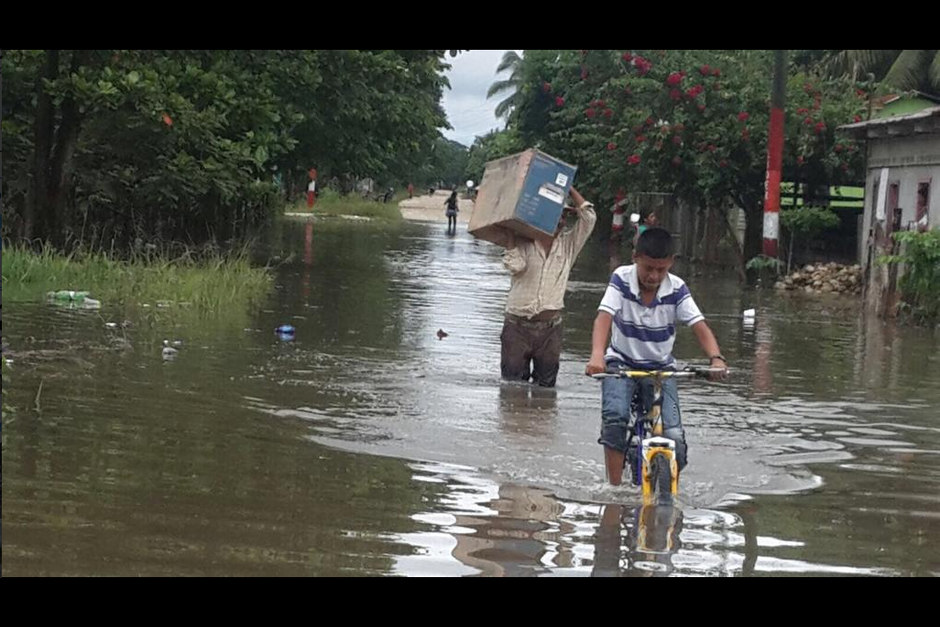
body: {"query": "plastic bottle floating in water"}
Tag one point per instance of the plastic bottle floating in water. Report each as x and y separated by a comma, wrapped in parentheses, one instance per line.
(74, 299)
(285, 332)
(67, 295)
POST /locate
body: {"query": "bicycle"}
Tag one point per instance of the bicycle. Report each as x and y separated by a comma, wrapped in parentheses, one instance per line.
(651, 455)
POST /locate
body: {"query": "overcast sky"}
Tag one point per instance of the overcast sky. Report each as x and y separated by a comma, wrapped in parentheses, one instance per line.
(468, 110)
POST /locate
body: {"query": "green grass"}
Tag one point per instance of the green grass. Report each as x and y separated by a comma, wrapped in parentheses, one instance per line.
(203, 283)
(331, 204)
(851, 197)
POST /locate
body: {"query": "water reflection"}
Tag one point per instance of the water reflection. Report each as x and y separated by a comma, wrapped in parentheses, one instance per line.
(640, 539)
(823, 456)
(484, 528)
(526, 410)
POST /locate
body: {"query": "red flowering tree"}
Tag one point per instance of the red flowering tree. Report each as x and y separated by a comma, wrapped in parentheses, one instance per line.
(690, 122)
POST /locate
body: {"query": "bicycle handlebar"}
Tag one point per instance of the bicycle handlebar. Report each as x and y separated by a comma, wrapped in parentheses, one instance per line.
(690, 372)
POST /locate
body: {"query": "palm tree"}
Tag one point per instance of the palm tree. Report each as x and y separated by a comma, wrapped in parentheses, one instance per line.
(900, 69)
(512, 63)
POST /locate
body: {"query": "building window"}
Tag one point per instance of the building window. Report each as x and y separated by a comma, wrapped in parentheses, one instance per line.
(922, 218)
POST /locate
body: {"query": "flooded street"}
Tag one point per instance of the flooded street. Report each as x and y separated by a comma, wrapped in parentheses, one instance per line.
(373, 444)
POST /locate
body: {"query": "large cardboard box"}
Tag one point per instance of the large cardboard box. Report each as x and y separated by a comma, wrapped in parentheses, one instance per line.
(525, 193)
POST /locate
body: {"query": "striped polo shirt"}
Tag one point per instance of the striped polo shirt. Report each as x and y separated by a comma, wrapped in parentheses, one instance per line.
(642, 336)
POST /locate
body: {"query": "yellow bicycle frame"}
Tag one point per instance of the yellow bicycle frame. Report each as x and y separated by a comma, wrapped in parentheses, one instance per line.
(655, 418)
(657, 430)
(648, 454)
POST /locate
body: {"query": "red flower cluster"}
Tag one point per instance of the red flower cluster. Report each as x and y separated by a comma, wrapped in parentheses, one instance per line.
(643, 66)
(707, 70)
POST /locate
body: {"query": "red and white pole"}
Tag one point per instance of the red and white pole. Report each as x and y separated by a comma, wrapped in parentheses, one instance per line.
(775, 155)
(312, 189)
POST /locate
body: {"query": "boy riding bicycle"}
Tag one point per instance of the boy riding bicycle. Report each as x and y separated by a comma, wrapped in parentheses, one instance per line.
(638, 313)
